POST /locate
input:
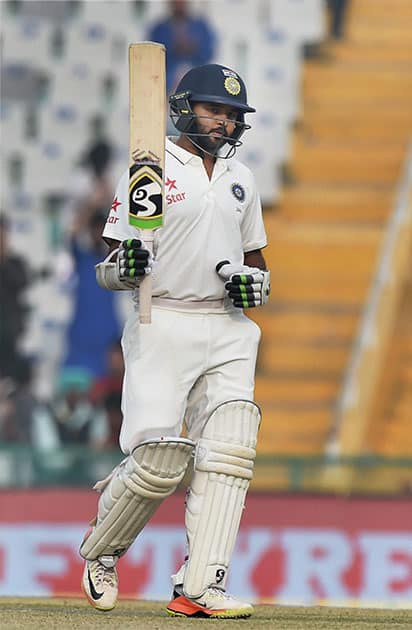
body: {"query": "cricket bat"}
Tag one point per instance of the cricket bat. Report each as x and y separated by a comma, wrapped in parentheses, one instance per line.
(147, 130)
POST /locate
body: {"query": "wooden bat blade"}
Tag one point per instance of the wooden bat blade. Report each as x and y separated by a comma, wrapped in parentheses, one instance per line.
(147, 123)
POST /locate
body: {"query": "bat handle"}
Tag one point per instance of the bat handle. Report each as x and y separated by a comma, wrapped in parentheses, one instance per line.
(145, 290)
(145, 300)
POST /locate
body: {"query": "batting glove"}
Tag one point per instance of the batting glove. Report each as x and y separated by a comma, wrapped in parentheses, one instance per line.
(133, 260)
(246, 286)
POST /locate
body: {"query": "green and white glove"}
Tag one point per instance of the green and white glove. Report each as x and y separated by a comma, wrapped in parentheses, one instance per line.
(246, 286)
(133, 259)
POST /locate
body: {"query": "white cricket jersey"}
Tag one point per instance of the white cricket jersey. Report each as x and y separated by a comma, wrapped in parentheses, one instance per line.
(205, 221)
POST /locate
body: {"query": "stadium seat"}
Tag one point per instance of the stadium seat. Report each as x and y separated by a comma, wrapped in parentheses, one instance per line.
(24, 36)
(77, 84)
(305, 20)
(90, 43)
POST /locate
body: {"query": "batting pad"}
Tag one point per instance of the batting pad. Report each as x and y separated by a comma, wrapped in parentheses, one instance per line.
(223, 469)
(133, 492)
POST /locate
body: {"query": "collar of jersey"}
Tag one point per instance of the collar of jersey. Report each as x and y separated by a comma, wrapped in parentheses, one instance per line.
(181, 154)
(185, 156)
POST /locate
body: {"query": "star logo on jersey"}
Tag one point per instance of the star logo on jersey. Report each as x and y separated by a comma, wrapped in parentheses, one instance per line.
(173, 197)
(116, 203)
(171, 184)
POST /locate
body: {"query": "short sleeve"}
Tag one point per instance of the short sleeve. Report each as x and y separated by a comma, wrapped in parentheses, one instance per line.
(117, 225)
(252, 227)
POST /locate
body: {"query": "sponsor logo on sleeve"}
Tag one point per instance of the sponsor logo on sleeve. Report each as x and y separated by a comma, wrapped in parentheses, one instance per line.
(111, 218)
(116, 203)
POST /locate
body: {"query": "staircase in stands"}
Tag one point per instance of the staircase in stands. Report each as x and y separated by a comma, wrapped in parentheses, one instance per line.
(326, 232)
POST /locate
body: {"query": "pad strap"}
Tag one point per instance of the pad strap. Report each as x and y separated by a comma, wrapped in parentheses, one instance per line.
(133, 492)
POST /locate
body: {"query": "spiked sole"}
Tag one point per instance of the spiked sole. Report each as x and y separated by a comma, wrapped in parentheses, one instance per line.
(222, 614)
(183, 607)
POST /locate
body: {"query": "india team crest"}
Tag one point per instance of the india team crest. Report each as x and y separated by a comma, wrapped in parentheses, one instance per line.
(238, 191)
(232, 85)
(145, 191)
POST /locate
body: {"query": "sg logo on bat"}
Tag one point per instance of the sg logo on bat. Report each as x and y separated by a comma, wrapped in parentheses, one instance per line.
(145, 192)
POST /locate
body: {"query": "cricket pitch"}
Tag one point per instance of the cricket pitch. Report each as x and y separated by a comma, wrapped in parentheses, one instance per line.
(69, 614)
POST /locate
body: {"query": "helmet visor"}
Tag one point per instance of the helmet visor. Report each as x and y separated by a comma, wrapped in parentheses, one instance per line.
(224, 100)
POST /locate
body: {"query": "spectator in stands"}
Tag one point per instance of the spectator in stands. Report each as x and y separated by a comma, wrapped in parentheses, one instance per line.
(112, 381)
(8, 429)
(69, 419)
(14, 280)
(75, 417)
(17, 406)
(338, 9)
(189, 41)
(95, 322)
(113, 419)
(106, 395)
(92, 184)
(99, 153)
(17, 401)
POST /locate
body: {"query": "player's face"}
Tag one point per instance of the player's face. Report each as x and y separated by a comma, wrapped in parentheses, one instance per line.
(215, 121)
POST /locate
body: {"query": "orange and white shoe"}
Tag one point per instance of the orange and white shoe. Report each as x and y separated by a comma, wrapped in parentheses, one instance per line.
(215, 603)
(100, 583)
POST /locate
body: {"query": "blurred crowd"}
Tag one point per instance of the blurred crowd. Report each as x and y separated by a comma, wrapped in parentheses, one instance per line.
(84, 408)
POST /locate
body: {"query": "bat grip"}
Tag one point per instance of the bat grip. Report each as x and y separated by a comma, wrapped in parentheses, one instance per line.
(145, 300)
(145, 290)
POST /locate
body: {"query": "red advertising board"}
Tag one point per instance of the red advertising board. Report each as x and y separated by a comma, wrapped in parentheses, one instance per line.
(290, 549)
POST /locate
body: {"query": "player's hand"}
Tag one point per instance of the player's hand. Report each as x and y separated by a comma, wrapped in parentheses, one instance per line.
(133, 260)
(246, 286)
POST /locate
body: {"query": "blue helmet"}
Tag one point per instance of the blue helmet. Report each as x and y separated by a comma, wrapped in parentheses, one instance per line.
(210, 83)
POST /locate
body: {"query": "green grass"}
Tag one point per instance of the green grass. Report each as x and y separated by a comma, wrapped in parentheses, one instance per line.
(73, 614)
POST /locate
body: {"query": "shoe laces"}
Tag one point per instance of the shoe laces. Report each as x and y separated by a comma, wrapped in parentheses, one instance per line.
(216, 591)
(104, 575)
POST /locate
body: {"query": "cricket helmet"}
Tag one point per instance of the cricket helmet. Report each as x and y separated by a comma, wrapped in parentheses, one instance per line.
(211, 83)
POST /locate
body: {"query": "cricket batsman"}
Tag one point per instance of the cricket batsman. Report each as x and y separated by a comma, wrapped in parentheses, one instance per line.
(194, 365)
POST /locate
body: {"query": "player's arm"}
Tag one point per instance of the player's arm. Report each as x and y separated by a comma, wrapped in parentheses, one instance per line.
(125, 265)
(247, 285)
(255, 259)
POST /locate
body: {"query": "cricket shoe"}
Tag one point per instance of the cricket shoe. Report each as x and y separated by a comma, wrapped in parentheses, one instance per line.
(215, 603)
(100, 582)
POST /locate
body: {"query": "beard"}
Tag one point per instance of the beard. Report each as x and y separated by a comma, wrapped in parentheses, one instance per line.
(206, 142)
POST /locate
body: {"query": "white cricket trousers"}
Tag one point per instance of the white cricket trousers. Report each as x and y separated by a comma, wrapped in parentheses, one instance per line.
(181, 367)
